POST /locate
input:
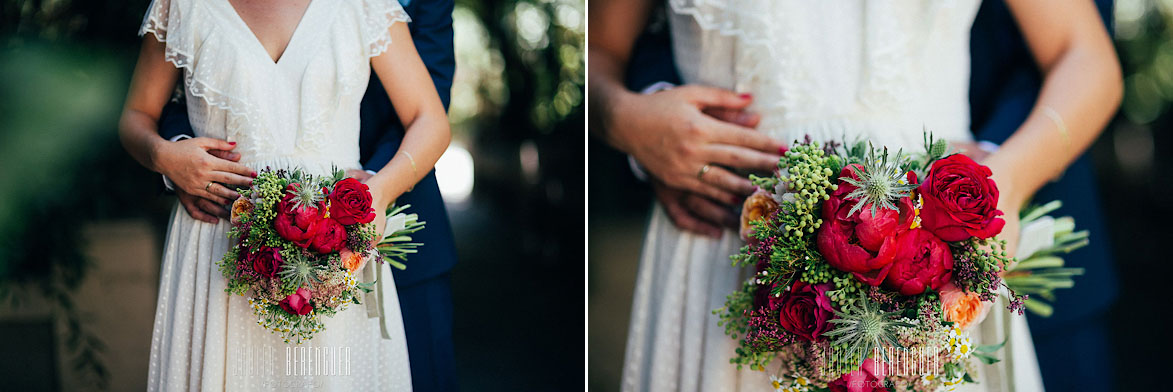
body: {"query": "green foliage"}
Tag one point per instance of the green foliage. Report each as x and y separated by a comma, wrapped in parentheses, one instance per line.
(792, 255)
(1041, 273)
(763, 182)
(396, 245)
(323, 274)
(848, 290)
(862, 327)
(58, 106)
(881, 182)
(986, 255)
(934, 149)
(1144, 41)
(734, 315)
(292, 328)
(809, 178)
(298, 270)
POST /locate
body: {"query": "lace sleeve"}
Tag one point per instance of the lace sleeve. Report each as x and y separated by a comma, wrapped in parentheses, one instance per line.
(156, 19)
(377, 18)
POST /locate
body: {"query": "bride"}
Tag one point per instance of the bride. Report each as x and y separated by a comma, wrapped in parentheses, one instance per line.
(279, 83)
(878, 70)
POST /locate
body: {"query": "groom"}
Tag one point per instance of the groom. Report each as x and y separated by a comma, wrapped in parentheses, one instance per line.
(1072, 346)
(425, 297)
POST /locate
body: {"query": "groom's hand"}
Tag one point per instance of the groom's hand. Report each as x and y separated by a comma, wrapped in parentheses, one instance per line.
(675, 134)
(695, 213)
(200, 208)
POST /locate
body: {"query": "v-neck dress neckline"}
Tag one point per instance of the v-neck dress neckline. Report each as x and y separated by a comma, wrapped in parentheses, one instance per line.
(294, 39)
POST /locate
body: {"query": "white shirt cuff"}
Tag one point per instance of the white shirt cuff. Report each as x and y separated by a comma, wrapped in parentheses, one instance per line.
(988, 146)
(657, 87)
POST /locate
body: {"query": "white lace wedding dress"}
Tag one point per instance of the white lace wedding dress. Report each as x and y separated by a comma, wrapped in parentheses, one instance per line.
(300, 111)
(882, 70)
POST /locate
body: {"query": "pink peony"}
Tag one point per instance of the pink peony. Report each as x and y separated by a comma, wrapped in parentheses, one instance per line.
(298, 303)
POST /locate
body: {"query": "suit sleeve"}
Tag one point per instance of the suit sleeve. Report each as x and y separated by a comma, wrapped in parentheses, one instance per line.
(174, 122)
(651, 60)
(431, 31)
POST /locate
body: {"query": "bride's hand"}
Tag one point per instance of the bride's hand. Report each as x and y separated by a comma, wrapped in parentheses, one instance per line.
(379, 204)
(193, 168)
(682, 138)
(380, 223)
(1011, 231)
(692, 212)
(1010, 203)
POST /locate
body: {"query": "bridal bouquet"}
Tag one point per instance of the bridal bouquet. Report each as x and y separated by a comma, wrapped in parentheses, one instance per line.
(300, 244)
(872, 267)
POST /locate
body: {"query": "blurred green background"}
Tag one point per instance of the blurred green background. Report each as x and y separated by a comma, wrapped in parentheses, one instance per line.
(81, 224)
(1133, 159)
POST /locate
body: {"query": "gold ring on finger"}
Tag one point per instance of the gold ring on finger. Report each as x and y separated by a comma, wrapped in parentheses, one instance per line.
(208, 188)
(704, 169)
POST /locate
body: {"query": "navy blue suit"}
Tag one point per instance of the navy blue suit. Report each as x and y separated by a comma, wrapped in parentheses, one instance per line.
(425, 296)
(1072, 345)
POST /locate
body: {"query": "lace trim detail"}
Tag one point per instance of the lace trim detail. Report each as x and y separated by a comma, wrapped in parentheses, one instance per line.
(155, 21)
(377, 18)
(765, 48)
(171, 24)
(773, 62)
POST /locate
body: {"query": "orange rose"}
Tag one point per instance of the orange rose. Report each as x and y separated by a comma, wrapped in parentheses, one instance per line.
(352, 261)
(964, 309)
(759, 205)
(240, 207)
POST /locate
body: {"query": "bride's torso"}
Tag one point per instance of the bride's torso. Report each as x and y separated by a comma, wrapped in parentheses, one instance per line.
(300, 111)
(880, 70)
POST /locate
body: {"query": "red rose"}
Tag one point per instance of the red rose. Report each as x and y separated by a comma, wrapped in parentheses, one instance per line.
(297, 303)
(350, 203)
(922, 261)
(805, 310)
(329, 238)
(856, 244)
(266, 261)
(960, 200)
(298, 225)
(868, 378)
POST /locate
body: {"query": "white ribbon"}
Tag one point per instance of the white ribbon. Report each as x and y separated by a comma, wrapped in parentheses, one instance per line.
(384, 299)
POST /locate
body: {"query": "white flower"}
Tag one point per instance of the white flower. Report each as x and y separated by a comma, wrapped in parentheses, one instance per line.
(395, 223)
(960, 345)
(782, 188)
(800, 384)
(790, 197)
(952, 384)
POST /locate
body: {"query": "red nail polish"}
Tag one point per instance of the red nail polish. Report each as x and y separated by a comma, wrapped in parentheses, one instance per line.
(782, 150)
(254, 174)
(746, 96)
(232, 143)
